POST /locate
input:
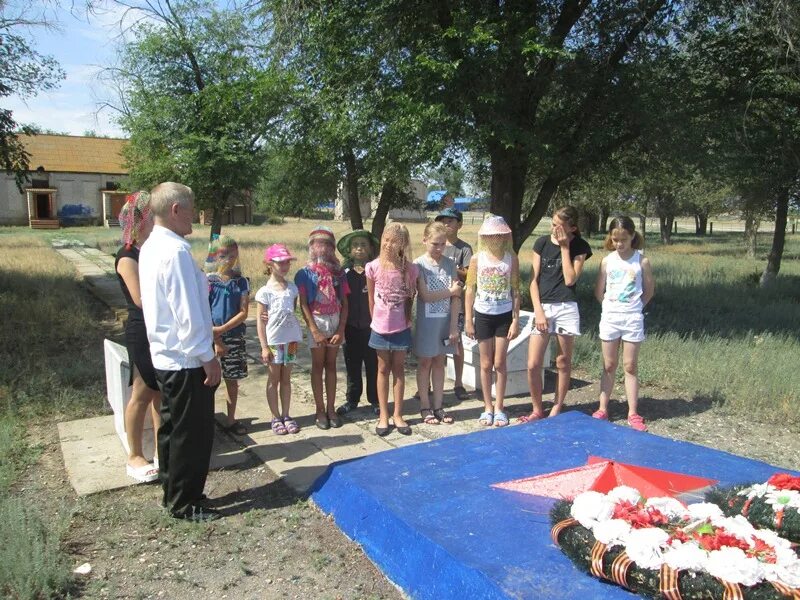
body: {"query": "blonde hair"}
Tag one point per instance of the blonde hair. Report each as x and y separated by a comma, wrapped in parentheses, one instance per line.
(401, 231)
(434, 228)
(164, 195)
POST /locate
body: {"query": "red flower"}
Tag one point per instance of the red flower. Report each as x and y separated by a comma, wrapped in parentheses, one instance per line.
(784, 481)
(719, 539)
(762, 551)
(638, 515)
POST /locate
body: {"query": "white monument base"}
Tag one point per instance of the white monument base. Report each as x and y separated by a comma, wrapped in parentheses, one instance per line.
(117, 389)
(516, 362)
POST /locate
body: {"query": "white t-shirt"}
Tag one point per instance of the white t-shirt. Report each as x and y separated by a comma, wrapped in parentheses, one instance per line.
(282, 324)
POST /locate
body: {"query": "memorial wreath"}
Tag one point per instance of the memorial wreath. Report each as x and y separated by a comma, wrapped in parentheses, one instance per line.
(658, 547)
(774, 504)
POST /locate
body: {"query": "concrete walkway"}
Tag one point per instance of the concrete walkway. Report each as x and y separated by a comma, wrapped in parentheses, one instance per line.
(299, 458)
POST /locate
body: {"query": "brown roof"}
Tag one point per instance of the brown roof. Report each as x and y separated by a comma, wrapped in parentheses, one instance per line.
(75, 154)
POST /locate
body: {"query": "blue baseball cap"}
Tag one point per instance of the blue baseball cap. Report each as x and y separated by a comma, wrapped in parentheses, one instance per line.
(450, 213)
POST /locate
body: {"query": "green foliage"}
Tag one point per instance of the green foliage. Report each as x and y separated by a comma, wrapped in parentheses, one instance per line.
(30, 550)
(24, 73)
(757, 511)
(198, 99)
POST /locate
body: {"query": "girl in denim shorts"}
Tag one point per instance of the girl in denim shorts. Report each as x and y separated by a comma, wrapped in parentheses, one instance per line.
(323, 299)
(391, 285)
(279, 336)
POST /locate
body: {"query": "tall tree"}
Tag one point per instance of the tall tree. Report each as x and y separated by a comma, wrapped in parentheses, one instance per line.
(24, 73)
(197, 100)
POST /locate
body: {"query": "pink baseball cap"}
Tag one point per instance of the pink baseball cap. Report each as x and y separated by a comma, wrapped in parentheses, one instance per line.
(278, 253)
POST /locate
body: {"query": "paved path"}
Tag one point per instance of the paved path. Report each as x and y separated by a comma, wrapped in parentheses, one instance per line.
(299, 458)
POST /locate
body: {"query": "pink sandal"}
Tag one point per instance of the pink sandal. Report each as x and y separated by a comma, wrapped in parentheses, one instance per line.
(531, 418)
(278, 428)
(637, 422)
(600, 414)
(291, 425)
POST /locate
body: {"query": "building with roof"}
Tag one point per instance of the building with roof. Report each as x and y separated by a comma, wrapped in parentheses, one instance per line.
(73, 180)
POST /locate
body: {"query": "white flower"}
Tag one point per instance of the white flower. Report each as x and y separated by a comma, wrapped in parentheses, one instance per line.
(787, 573)
(623, 492)
(738, 526)
(590, 507)
(686, 556)
(668, 506)
(612, 532)
(645, 546)
(759, 489)
(782, 498)
(732, 564)
(704, 510)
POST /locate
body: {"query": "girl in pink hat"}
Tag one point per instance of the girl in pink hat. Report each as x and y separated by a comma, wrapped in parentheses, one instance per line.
(323, 299)
(492, 304)
(278, 301)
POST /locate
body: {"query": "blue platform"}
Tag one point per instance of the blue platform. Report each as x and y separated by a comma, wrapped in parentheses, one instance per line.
(428, 518)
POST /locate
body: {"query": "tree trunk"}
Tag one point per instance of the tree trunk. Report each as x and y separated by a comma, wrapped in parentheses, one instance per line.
(509, 172)
(587, 221)
(665, 223)
(700, 223)
(751, 223)
(605, 215)
(388, 196)
(778, 239)
(351, 177)
(216, 222)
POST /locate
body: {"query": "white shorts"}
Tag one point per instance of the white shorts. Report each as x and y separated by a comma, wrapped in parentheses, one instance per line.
(563, 318)
(327, 325)
(629, 327)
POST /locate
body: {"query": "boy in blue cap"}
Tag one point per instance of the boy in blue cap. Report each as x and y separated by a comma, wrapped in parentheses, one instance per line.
(461, 252)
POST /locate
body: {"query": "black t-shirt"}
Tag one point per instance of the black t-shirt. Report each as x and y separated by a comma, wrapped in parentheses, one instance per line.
(551, 276)
(134, 312)
(358, 301)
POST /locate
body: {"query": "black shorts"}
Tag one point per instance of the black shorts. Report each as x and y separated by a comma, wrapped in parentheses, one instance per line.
(139, 353)
(491, 326)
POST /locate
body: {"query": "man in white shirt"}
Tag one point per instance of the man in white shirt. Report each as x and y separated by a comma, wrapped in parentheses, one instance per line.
(178, 319)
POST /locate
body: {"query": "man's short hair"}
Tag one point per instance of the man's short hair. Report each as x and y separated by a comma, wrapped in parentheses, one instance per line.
(164, 195)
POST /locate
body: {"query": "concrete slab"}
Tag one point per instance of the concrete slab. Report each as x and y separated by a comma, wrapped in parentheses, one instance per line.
(95, 460)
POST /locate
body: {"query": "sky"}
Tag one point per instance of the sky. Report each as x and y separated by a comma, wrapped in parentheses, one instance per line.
(83, 45)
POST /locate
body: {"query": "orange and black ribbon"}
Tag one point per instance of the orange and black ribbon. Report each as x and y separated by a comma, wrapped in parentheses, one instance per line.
(668, 583)
(555, 532)
(596, 567)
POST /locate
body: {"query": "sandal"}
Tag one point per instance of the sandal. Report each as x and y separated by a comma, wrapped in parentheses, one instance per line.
(278, 428)
(291, 425)
(486, 419)
(600, 414)
(531, 418)
(461, 393)
(500, 419)
(443, 417)
(143, 474)
(637, 422)
(428, 417)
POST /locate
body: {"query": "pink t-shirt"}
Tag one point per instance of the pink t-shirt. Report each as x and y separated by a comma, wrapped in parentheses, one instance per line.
(391, 293)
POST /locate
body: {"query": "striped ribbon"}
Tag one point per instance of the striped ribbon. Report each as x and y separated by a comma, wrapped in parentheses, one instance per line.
(732, 590)
(596, 567)
(792, 593)
(619, 569)
(668, 583)
(555, 532)
(778, 518)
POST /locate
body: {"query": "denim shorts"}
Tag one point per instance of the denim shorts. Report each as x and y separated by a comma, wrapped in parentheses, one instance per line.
(393, 342)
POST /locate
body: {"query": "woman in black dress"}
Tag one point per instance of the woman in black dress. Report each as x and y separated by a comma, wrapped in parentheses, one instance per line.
(136, 221)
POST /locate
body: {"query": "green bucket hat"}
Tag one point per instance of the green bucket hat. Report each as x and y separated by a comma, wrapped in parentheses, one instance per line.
(343, 245)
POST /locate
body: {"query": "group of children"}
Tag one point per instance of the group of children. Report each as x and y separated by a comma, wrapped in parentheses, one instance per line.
(365, 303)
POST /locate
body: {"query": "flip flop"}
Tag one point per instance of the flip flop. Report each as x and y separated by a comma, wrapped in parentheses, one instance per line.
(531, 418)
(143, 474)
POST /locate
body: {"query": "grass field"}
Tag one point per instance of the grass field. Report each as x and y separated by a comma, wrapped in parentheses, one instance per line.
(712, 332)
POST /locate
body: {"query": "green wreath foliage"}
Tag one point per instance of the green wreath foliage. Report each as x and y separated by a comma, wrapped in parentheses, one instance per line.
(758, 512)
(577, 541)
